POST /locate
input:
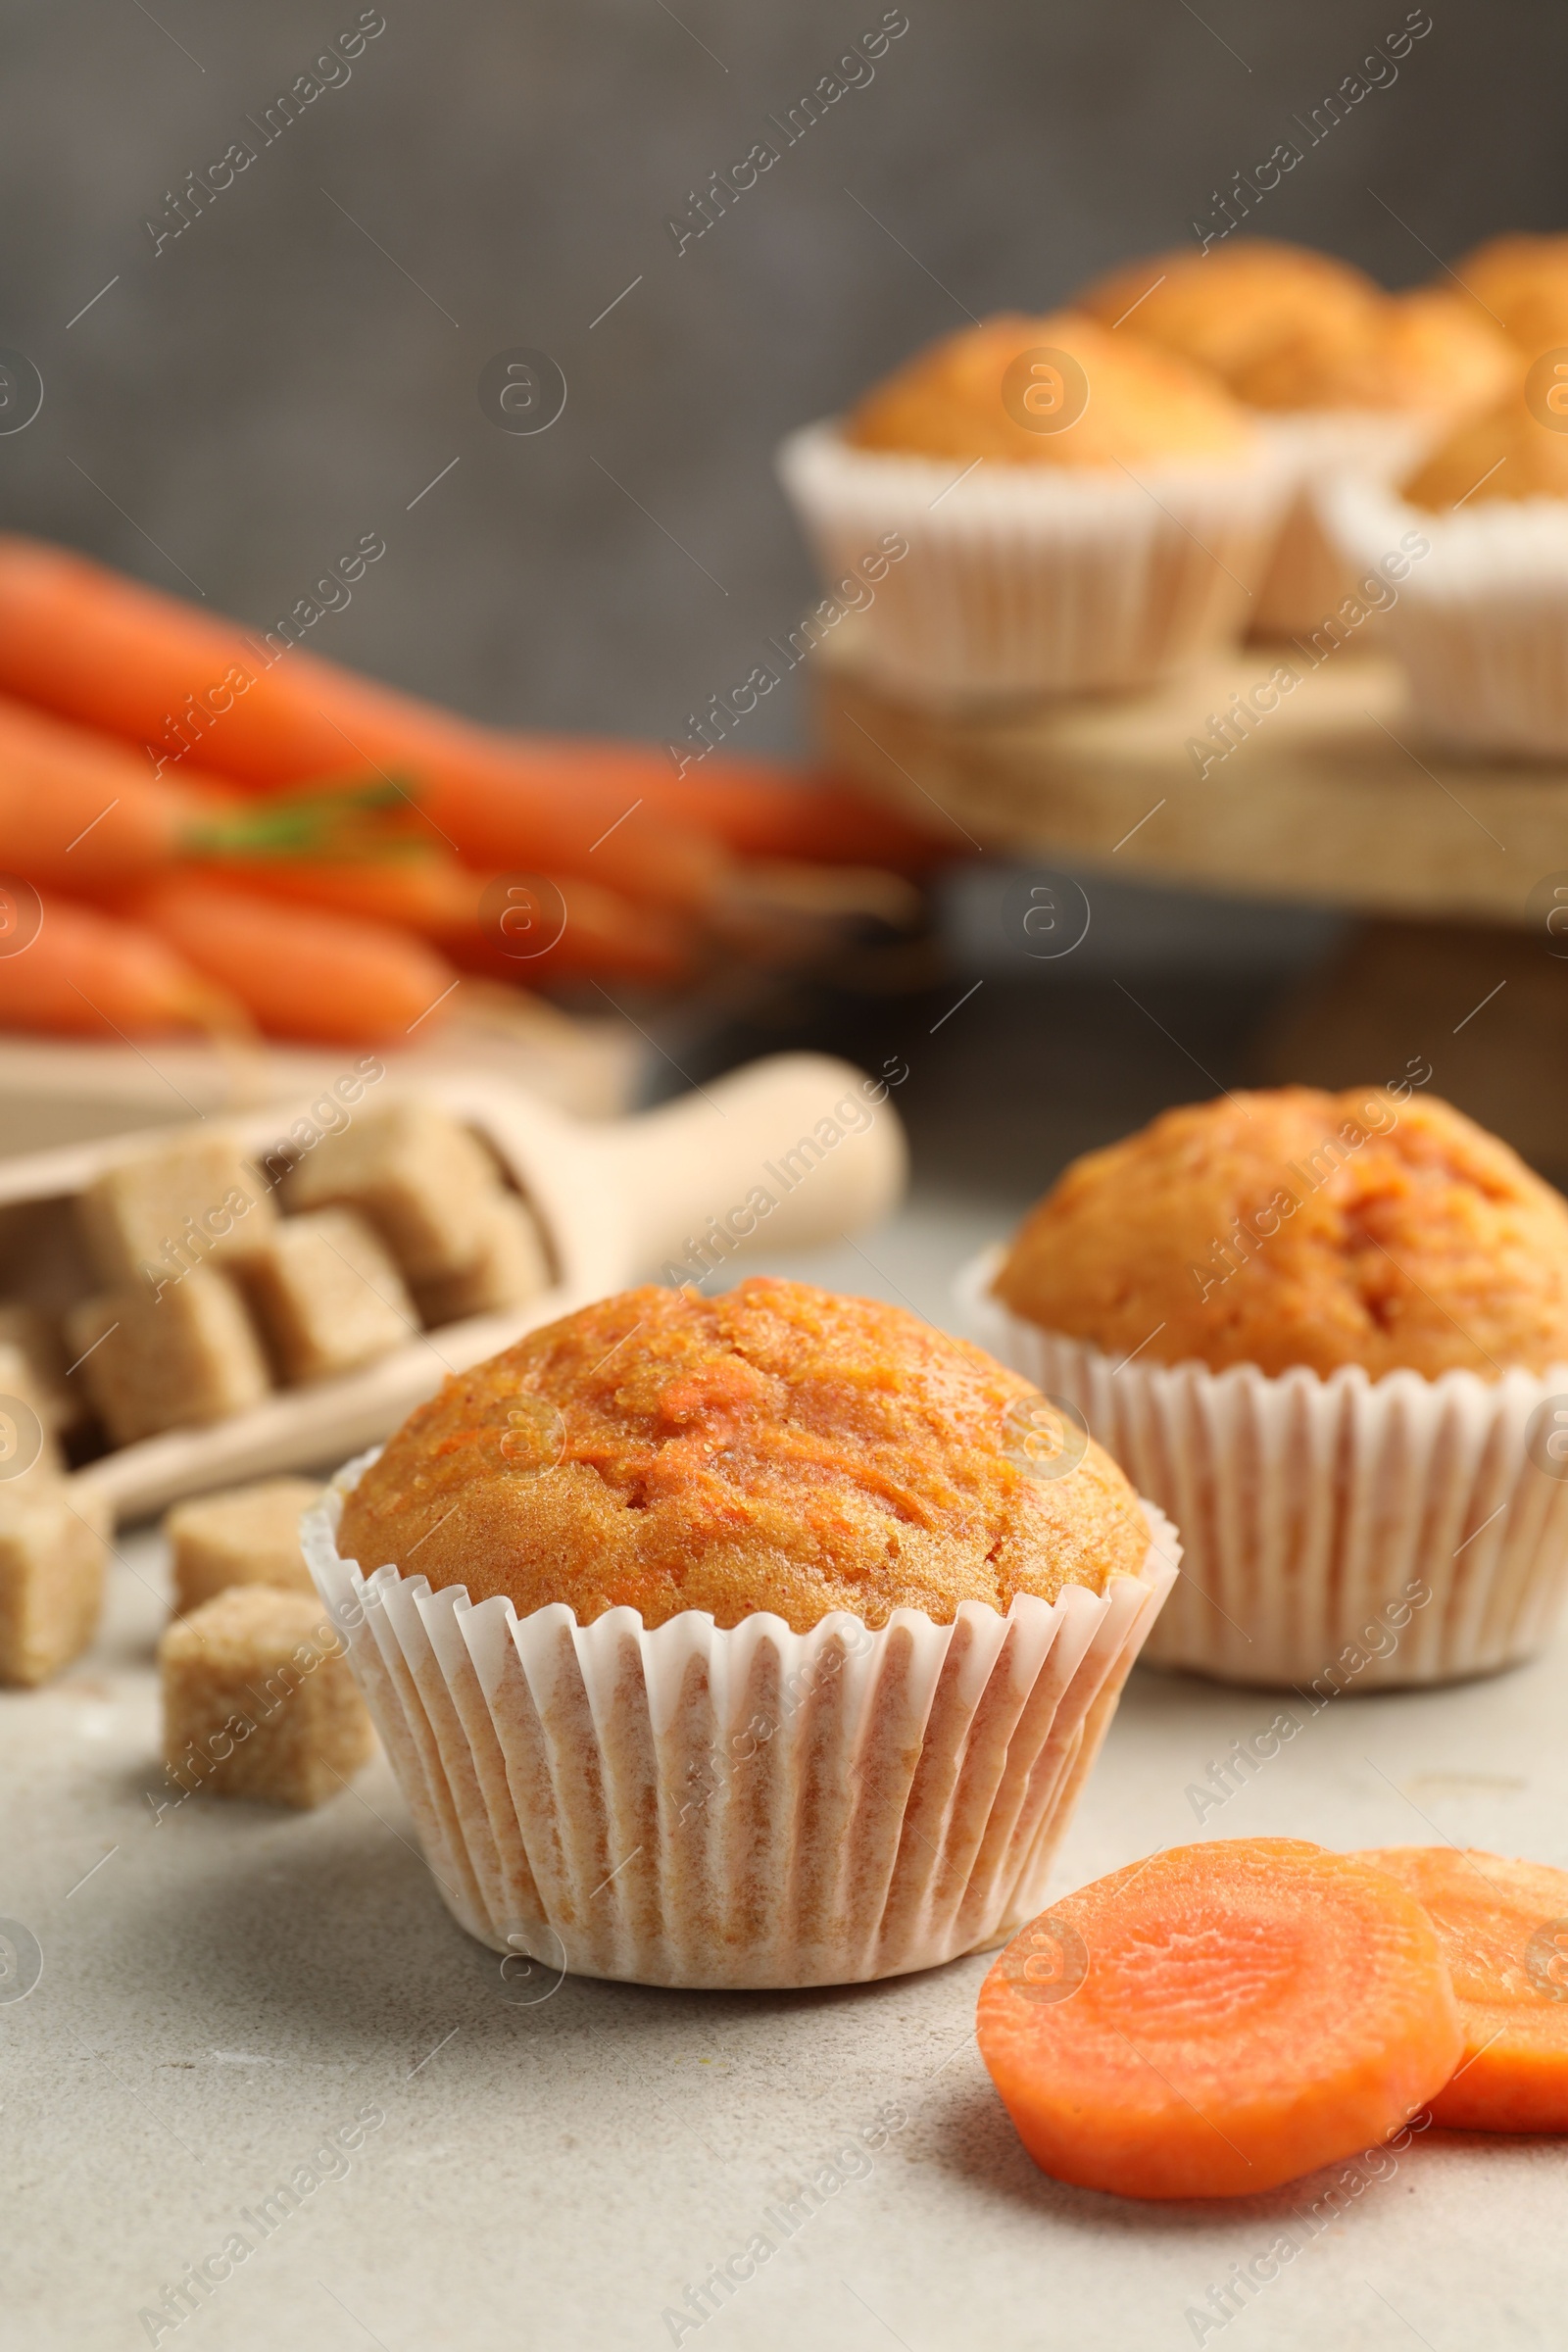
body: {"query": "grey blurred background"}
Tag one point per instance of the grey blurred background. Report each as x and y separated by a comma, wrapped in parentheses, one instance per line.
(242, 404)
(300, 367)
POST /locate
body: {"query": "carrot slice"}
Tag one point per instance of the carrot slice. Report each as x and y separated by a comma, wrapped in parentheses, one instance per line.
(1218, 2020)
(299, 973)
(86, 974)
(1504, 1928)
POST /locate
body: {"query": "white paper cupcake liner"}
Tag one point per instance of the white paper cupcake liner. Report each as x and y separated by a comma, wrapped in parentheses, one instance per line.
(1026, 580)
(1481, 626)
(696, 1807)
(1315, 1512)
(1310, 573)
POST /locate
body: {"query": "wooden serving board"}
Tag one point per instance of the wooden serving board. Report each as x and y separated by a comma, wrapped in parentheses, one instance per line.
(60, 1091)
(1333, 797)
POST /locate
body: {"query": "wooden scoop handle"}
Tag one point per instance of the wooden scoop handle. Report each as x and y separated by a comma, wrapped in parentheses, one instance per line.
(790, 1151)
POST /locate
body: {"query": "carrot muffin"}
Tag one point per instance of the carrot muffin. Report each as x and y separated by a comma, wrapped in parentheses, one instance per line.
(1521, 281)
(1353, 378)
(1067, 509)
(1285, 328)
(1297, 1227)
(1506, 453)
(1242, 310)
(1323, 1331)
(1135, 405)
(777, 1447)
(1482, 624)
(740, 1641)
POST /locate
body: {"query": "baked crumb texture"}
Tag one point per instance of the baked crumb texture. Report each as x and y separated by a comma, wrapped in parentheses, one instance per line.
(1298, 1227)
(778, 1449)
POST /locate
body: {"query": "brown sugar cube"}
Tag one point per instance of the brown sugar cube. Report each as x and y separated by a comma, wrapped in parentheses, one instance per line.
(510, 1268)
(27, 1447)
(171, 1207)
(326, 1296)
(250, 1535)
(36, 1335)
(259, 1700)
(52, 1543)
(419, 1176)
(186, 1359)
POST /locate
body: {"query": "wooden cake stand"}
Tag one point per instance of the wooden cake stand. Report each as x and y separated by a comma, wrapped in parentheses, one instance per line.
(1332, 799)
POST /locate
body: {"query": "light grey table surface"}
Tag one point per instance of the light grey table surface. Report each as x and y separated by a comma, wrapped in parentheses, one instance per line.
(225, 1988)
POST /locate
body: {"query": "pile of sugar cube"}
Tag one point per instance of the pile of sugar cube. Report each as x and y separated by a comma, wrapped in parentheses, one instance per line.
(213, 1292)
(221, 1276)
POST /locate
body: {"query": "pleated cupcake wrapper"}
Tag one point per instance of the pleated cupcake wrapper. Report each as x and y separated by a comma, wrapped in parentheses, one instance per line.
(1024, 580)
(1315, 1512)
(1309, 574)
(691, 1807)
(1481, 626)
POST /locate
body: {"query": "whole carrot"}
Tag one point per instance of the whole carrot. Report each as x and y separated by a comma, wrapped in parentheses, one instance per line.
(88, 974)
(299, 973)
(430, 892)
(80, 810)
(579, 930)
(765, 808)
(110, 654)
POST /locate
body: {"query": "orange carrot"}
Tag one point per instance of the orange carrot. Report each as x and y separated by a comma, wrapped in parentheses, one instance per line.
(82, 811)
(110, 654)
(1504, 1929)
(764, 808)
(588, 931)
(577, 927)
(428, 893)
(79, 810)
(1218, 2020)
(86, 974)
(301, 973)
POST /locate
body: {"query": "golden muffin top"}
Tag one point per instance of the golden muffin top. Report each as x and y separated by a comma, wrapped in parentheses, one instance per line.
(1270, 319)
(1506, 451)
(1521, 281)
(1057, 390)
(777, 1449)
(1426, 350)
(1297, 1227)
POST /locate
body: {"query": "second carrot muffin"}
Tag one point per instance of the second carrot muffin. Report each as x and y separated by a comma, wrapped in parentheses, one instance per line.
(1329, 1333)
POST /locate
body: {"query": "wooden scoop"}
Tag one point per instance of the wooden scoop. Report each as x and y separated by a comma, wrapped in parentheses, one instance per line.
(795, 1149)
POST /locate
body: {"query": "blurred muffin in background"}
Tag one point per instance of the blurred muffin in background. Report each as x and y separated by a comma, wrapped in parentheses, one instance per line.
(1324, 1332)
(1235, 309)
(1482, 625)
(1508, 452)
(1354, 380)
(1520, 281)
(1073, 510)
(1138, 406)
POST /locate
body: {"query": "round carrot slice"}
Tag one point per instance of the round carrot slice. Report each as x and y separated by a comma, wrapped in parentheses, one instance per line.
(1504, 1929)
(1218, 2020)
